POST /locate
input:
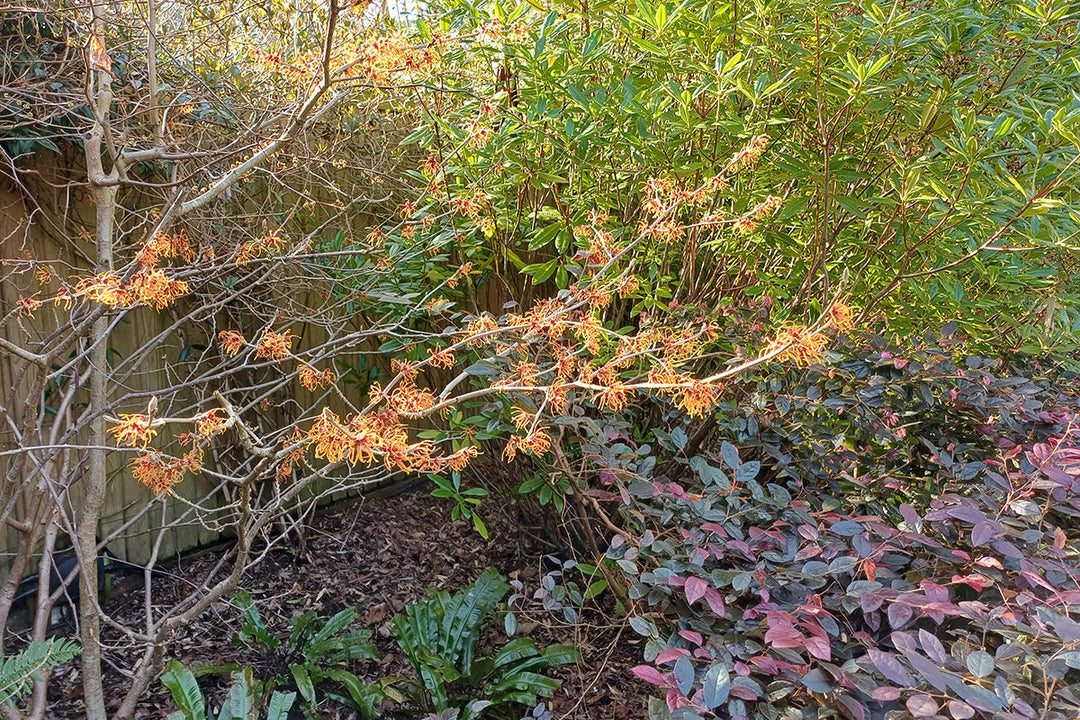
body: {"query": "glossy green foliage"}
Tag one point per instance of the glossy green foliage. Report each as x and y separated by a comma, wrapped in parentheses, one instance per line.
(441, 636)
(318, 656)
(240, 703)
(925, 157)
(465, 500)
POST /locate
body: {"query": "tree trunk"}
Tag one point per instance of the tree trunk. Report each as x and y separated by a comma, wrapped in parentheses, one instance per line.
(103, 190)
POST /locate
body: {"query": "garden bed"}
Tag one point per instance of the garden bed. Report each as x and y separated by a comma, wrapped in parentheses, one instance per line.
(378, 556)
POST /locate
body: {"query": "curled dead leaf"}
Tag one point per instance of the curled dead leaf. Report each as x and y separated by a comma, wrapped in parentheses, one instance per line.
(99, 58)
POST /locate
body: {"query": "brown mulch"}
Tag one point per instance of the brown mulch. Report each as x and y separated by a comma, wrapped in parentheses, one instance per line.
(378, 556)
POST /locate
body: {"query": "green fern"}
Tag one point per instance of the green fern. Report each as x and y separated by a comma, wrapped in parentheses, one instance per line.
(18, 673)
(240, 704)
(440, 636)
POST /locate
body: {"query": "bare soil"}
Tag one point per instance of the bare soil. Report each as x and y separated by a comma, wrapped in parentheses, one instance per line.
(378, 556)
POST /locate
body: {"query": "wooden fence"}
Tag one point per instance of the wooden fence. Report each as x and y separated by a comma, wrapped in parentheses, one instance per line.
(30, 232)
(51, 230)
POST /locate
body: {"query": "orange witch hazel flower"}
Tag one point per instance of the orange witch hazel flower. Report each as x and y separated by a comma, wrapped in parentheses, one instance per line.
(750, 153)
(557, 398)
(156, 473)
(461, 459)
(152, 287)
(470, 205)
(745, 225)
(441, 357)
(64, 297)
(309, 376)
(522, 418)
(162, 246)
(589, 331)
(248, 251)
(157, 289)
(191, 461)
(538, 442)
(231, 341)
(385, 55)
(431, 166)
(797, 344)
(274, 242)
(210, 423)
(274, 345)
(295, 438)
(513, 445)
(613, 397)
(767, 206)
(105, 288)
(664, 230)
(367, 438)
(133, 430)
(841, 316)
(526, 371)
(410, 400)
(313, 379)
(697, 398)
(479, 326)
(28, 305)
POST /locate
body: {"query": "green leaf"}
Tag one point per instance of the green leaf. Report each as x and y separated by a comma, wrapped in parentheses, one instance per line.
(658, 709)
(579, 97)
(333, 626)
(301, 625)
(561, 655)
(18, 672)
(482, 368)
(280, 704)
(186, 695)
(359, 692)
(647, 46)
(595, 589)
(552, 179)
(562, 279)
(563, 240)
(545, 235)
(185, 352)
(541, 40)
(252, 626)
(540, 272)
(238, 703)
(303, 681)
(531, 485)
(646, 12)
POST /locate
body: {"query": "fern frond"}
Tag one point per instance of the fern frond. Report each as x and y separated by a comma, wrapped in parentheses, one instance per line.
(17, 673)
